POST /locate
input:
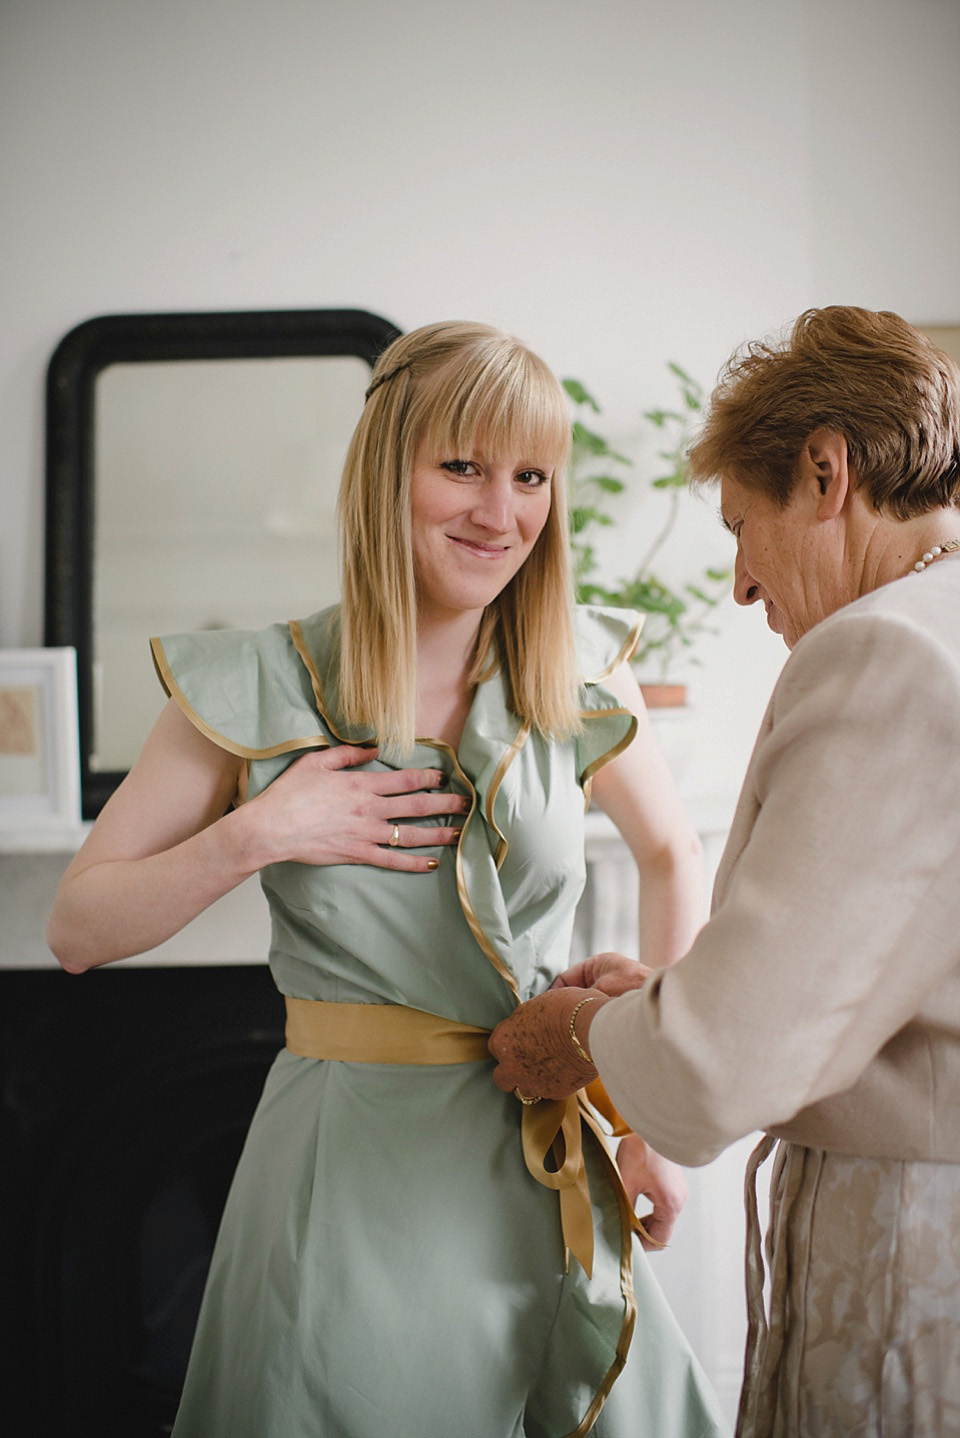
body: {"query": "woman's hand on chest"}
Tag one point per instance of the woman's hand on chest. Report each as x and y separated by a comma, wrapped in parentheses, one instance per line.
(321, 810)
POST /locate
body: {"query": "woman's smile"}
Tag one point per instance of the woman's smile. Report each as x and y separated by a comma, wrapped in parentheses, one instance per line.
(478, 547)
(474, 521)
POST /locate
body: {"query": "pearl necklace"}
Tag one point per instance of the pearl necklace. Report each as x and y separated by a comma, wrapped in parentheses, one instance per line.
(947, 547)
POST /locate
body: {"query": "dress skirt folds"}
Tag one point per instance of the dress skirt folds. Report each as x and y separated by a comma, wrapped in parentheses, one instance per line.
(862, 1339)
(387, 1265)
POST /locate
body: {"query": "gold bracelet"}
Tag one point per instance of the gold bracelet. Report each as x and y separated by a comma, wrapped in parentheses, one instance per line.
(591, 999)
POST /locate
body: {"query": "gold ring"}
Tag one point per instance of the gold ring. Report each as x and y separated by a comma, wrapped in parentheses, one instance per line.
(394, 838)
(524, 1099)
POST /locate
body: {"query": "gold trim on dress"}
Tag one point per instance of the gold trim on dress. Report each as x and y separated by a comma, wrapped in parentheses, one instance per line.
(586, 778)
(243, 751)
(495, 783)
(306, 658)
(463, 893)
(627, 650)
(628, 1225)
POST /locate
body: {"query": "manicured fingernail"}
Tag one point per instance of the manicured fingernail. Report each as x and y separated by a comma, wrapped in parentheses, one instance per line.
(433, 863)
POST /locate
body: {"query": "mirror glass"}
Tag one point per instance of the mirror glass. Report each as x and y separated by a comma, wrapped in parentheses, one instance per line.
(216, 486)
(193, 462)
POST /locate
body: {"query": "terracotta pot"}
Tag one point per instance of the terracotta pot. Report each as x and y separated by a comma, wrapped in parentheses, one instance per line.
(664, 696)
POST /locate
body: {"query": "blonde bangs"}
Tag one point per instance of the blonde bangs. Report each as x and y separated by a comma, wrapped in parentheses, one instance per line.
(507, 404)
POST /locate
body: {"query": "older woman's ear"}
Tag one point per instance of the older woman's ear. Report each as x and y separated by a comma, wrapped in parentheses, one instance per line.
(824, 470)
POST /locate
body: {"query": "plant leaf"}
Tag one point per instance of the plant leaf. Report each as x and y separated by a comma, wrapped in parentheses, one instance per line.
(676, 617)
(681, 373)
(579, 393)
(587, 439)
(659, 417)
(583, 514)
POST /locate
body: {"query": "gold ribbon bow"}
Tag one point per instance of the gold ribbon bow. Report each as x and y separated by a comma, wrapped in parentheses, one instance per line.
(394, 1034)
(553, 1127)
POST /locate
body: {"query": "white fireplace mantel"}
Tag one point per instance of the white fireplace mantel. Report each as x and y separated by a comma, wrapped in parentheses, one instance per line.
(236, 930)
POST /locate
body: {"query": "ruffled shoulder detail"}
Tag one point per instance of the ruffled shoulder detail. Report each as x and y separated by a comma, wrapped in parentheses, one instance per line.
(244, 689)
(606, 638)
(317, 643)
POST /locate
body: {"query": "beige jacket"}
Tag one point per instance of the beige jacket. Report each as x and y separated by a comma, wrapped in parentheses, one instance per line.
(822, 1000)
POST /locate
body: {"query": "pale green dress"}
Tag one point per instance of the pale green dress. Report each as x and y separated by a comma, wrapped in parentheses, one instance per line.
(386, 1266)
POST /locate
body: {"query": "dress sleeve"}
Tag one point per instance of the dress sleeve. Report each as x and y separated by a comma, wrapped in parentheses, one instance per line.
(839, 914)
(244, 689)
(606, 638)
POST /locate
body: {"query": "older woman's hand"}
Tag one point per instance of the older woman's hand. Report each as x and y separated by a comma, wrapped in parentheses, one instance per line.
(533, 1046)
(611, 973)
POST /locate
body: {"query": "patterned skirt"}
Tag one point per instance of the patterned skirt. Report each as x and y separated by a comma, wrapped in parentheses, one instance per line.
(863, 1334)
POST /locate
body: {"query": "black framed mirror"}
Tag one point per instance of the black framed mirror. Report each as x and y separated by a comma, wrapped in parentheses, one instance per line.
(192, 463)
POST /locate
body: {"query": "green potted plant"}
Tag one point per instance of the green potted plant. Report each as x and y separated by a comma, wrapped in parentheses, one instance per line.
(676, 615)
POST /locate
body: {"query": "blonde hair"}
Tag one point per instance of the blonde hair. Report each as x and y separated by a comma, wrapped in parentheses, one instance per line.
(452, 384)
(868, 375)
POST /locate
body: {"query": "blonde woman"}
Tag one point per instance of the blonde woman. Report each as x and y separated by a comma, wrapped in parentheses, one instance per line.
(398, 1257)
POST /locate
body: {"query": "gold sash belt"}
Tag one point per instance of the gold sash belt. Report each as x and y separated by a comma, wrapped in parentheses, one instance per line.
(393, 1034)
(380, 1034)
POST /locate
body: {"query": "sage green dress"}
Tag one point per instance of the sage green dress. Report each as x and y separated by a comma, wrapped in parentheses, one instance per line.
(386, 1266)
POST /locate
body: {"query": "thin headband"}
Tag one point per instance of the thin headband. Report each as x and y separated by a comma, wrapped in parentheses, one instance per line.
(382, 379)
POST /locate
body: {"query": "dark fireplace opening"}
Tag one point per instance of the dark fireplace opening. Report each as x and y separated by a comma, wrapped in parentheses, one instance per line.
(126, 1097)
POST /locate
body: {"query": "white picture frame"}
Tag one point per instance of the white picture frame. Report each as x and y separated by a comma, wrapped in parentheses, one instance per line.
(39, 746)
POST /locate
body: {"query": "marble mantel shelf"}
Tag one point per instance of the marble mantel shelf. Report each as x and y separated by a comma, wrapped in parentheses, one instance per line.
(237, 928)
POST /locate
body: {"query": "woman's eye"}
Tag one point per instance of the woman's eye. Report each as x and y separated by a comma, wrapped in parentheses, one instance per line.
(459, 467)
(532, 478)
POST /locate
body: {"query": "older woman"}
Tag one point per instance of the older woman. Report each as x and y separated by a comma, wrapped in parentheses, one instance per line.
(821, 1003)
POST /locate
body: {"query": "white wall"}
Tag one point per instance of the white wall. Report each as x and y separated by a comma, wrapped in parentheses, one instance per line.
(621, 183)
(884, 110)
(577, 174)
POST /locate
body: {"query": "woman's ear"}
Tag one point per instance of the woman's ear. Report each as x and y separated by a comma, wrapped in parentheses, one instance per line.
(824, 468)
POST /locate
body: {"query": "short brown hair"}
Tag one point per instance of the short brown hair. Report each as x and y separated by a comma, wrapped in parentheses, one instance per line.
(868, 375)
